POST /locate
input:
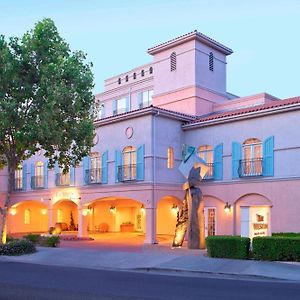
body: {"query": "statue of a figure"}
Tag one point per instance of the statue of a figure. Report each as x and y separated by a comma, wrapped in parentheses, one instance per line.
(187, 219)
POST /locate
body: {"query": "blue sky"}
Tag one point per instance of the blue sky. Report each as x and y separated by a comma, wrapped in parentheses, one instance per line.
(116, 34)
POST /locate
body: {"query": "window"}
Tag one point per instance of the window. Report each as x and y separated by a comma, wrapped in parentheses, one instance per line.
(126, 78)
(27, 216)
(95, 171)
(62, 179)
(100, 111)
(120, 106)
(173, 61)
(151, 70)
(211, 61)
(59, 216)
(170, 162)
(38, 180)
(18, 178)
(134, 75)
(142, 73)
(128, 170)
(145, 98)
(119, 81)
(206, 153)
(251, 164)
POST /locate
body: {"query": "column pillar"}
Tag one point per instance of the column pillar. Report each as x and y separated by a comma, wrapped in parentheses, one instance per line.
(150, 226)
(82, 222)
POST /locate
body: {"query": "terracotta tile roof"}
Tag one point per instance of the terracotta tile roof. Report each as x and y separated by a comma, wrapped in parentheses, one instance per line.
(236, 112)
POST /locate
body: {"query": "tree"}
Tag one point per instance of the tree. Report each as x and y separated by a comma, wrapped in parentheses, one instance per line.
(46, 102)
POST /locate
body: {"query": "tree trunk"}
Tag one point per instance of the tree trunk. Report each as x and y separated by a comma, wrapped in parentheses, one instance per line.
(10, 186)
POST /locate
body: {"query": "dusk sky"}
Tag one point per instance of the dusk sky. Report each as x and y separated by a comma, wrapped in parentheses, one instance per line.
(116, 35)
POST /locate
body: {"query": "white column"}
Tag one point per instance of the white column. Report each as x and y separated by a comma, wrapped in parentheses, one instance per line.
(82, 223)
(150, 226)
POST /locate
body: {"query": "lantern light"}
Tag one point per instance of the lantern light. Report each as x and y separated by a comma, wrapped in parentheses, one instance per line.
(227, 207)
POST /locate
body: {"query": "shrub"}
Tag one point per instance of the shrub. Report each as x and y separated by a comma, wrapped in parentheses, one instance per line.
(287, 234)
(49, 241)
(34, 238)
(223, 246)
(17, 247)
(276, 248)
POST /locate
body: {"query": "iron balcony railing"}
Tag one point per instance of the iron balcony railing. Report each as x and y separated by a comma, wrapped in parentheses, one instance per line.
(251, 167)
(37, 182)
(210, 172)
(62, 179)
(18, 184)
(127, 172)
(93, 176)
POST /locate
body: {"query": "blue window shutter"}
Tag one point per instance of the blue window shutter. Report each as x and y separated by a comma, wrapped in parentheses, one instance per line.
(127, 103)
(32, 171)
(104, 167)
(114, 107)
(72, 175)
(268, 159)
(140, 163)
(140, 100)
(103, 111)
(46, 174)
(85, 167)
(118, 162)
(236, 157)
(24, 177)
(218, 162)
(56, 168)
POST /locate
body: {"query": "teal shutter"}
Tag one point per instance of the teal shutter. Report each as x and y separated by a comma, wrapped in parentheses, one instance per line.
(127, 103)
(268, 159)
(118, 163)
(236, 157)
(104, 167)
(218, 162)
(24, 177)
(85, 167)
(56, 171)
(72, 175)
(46, 174)
(140, 100)
(114, 107)
(140, 163)
(32, 176)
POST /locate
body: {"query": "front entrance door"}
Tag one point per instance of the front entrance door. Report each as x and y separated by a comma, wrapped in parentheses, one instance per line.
(210, 221)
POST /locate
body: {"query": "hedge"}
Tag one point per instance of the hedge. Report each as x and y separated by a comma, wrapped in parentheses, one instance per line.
(287, 234)
(224, 246)
(17, 247)
(44, 241)
(276, 248)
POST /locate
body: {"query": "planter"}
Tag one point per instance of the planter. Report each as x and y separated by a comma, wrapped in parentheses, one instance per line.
(127, 227)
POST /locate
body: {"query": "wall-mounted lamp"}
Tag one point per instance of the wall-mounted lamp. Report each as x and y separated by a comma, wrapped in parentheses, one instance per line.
(85, 211)
(227, 207)
(112, 209)
(142, 209)
(44, 211)
(174, 208)
(12, 211)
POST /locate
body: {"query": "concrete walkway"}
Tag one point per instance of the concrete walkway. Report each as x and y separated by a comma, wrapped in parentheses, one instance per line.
(158, 258)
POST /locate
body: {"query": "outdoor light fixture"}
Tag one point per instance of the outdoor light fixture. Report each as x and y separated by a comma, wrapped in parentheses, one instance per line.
(44, 211)
(85, 211)
(227, 207)
(142, 209)
(13, 211)
(174, 208)
(112, 209)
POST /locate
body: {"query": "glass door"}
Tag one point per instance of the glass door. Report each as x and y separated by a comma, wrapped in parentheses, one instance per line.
(210, 221)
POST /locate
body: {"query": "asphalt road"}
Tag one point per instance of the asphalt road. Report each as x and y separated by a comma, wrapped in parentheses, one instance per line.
(28, 281)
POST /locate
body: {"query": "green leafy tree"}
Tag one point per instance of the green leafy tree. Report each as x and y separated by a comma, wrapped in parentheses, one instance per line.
(46, 102)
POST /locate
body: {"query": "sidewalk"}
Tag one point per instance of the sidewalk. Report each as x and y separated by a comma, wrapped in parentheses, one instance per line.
(156, 258)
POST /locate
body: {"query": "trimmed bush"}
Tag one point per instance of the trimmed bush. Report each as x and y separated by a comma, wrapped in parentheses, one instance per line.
(17, 247)
(224, 246)
(287, 234)
(49, 241)
(34, 238)
(276, 248)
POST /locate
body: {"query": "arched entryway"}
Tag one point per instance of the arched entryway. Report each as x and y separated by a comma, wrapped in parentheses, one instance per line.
(28, 217)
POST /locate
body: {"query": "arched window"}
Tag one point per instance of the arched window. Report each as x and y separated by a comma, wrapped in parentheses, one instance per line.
(18, 178)
(151, 70)
(27, 216)
(39, 175)
(142, 73)
(119, 81)
(126, 78)
(129, 163)
(170, 161)
(252, 157)
(95, 171)
(206, 153)
(173, 61)
(134, 75)
(211, 61)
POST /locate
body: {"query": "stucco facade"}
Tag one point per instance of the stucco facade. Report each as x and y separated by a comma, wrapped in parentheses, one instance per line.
(145, 117)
